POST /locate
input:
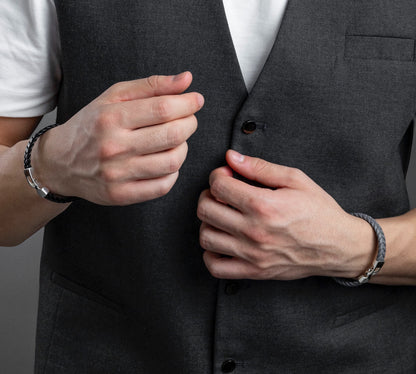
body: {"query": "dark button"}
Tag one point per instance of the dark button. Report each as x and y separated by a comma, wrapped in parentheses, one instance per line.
(231, 288)
(228, 366)
(249, 127)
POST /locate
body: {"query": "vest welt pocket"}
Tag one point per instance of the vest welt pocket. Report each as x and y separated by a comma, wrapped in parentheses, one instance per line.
(379, 48)
(81, 291)
(366, 311)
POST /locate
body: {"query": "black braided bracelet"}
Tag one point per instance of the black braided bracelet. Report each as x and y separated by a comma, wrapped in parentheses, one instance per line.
(28, 170)
(378, 262)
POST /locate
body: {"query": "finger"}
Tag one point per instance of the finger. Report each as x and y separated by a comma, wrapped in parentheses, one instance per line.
(220, 215)
(156, 85)
(224, 171)
(234, 192)
(214, 240)
(157, 110)
(149, 166)
(228, 268)
(159, 138)
(143, 190)
(264, 172)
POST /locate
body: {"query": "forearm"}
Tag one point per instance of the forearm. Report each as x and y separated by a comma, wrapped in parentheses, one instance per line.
(400, 264)
(22, 211)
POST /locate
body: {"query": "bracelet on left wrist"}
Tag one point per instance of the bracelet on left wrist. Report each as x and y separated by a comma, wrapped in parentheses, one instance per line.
(29, 172)
(377, 264)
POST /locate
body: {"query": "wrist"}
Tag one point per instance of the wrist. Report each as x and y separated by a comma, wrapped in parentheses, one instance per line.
(365, 247)
(40, 166)
(379, 257)
(358, 246)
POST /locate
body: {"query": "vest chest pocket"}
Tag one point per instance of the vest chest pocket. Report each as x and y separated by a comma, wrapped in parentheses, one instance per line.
(379, 48)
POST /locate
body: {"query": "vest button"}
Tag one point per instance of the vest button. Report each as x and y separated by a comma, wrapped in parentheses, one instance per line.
(231, 288)
(249, 127)
(228, 366)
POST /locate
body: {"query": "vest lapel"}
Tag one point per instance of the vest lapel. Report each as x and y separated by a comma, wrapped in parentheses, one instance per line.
(291, 14)
(303, 62)
(311, 36)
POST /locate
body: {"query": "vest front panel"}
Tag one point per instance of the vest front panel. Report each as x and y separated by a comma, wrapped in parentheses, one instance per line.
(337, 97)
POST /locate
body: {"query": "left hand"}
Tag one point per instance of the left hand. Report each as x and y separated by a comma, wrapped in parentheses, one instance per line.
(290, 231)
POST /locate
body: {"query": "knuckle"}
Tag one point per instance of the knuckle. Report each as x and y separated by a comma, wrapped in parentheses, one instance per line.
(216, 186)
(114, 89)
(152, 82)
(174, 164)
(161, 110)
(174, 136)
(165, 186)
(262, 264)
(295, 175)
(253, 204)
(164, 189)
(258, 208)
(193, 123)
(214, 271)
(114, 195)
(262, 209)
(107, 117)
(204, 239)
(256, 255)
(253, 256)
(176, 159)
(260, 165)
(211, 266)
(107, 150)
(256, 234)
(118, 86)
(201, 211)
(184, 149)
(108, 175)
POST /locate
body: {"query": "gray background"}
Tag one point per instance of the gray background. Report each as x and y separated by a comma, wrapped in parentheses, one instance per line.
(19, 268)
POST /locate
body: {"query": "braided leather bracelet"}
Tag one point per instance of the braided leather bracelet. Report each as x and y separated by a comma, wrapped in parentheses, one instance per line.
(378, 262)
(28, 170)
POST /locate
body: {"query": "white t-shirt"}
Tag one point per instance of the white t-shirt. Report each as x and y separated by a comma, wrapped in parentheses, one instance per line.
(29, 57)
(254, 25)
(30, 52)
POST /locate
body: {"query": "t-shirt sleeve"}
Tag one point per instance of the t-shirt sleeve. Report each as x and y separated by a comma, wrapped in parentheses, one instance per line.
(30, 71)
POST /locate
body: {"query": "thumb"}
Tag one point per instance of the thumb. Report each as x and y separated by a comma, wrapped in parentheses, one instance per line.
(155, 85)
(266, 173)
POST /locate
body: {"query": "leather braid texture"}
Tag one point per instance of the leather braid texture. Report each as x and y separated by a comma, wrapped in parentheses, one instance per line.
(27, 164)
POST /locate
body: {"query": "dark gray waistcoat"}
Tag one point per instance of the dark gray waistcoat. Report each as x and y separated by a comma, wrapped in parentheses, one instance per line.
(125, 290)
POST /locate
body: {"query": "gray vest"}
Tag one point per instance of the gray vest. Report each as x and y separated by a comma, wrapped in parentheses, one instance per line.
(125, 290)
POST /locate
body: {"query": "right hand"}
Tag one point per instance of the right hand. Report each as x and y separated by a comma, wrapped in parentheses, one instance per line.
(125, 147)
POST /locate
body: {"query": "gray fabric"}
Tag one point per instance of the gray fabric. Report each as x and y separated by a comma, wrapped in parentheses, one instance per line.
(345, 120)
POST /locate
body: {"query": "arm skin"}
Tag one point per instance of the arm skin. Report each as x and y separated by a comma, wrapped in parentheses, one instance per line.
(125, 147)
(294, 229)
(22, 212)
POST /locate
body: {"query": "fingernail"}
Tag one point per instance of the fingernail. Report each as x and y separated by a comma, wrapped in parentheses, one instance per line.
(236, 157)
(178, 77)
